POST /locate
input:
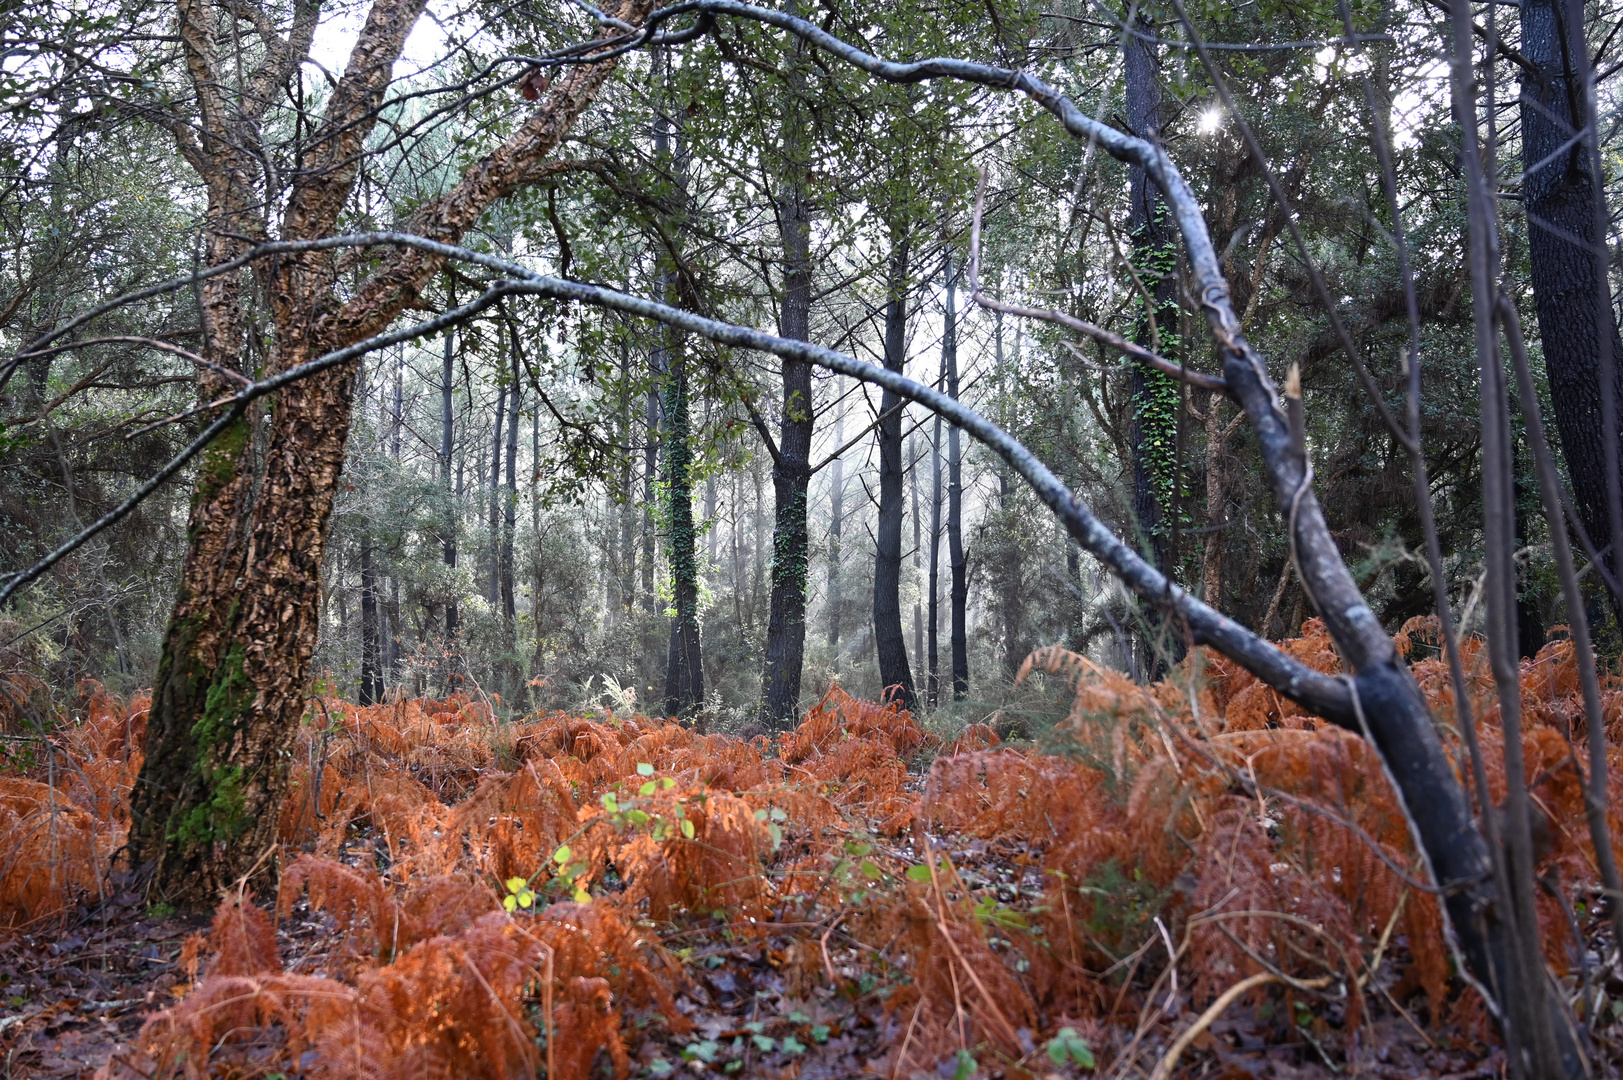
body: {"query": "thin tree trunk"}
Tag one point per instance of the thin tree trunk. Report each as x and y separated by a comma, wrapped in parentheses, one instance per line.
(371, 691)
(932, 684)
(918, 547)
(493, 583)
(509, 599)
(449, 489)
(650, 466)
(955, 506)
(895, 677)
(836, 508)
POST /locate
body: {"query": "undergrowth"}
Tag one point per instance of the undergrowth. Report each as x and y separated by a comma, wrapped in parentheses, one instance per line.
(525, 899)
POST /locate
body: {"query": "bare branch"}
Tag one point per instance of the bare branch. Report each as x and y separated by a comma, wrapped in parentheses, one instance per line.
(1070, 322)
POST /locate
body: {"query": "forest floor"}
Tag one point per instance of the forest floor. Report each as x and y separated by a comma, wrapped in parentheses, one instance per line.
(578, 896)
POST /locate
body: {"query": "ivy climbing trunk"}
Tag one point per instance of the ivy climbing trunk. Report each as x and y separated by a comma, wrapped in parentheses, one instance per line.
(791, 465)
(231, 684)
(684, 668)
(894, 674)
(1153, 431)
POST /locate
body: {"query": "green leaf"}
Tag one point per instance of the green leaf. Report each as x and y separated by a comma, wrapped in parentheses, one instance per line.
(516, 884)
(645, 769)
(920, 873)
(964, 1065)
(636, 817)
(870, 870)
(648, 788)
(561, 856)
(819, 1033)
(1069, 1046)
(660, 1067)
(666, 783)
(792, 1045)
(764, 1043)
(687, 828)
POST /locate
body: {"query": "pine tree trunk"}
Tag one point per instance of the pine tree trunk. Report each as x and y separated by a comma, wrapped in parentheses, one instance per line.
(493, 582)
(836, 527)
(448, 491)
(894, 674)
(932, 684)
(791, 472)
(371, 668)
(1574, 321)
(955, 507)
(509, 598)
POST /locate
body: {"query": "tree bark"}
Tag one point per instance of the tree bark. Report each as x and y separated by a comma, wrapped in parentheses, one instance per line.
(448, 490)
(371, 690)
(791, 467)
(494, 582)
(230, 688)
(836, 525)
(1558, 190)
(932, 684)
(955, 505)
(684, 670)
(895, 677)
(1155, 395)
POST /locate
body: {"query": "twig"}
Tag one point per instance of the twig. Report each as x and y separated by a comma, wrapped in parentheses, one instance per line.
(1169, 1061)
(1070, 322)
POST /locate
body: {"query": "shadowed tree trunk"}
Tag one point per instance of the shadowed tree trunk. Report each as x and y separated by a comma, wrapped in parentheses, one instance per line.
(932, 691)
(894, 674)
(1153, 434)
(448, 490)
(791, 465)
(1574, 322)
(371, 689)
(791, 471)
(836, 525)
(955, 506)
(230, 687)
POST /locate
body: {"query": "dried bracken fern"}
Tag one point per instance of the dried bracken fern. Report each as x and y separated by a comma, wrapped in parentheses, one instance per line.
(1201, 827)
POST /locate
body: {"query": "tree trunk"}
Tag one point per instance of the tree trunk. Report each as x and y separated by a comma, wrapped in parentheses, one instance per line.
(505, 568)
(791, 468)
(371, 691)
(918, 545)
(1558, 190)
(448, 489)
(684, 669)
(493, 582)
(1153, 433)
(836, 526)
(895, 677)
(955, 506)
(650, 467)
(932, 683)
(229, 692)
